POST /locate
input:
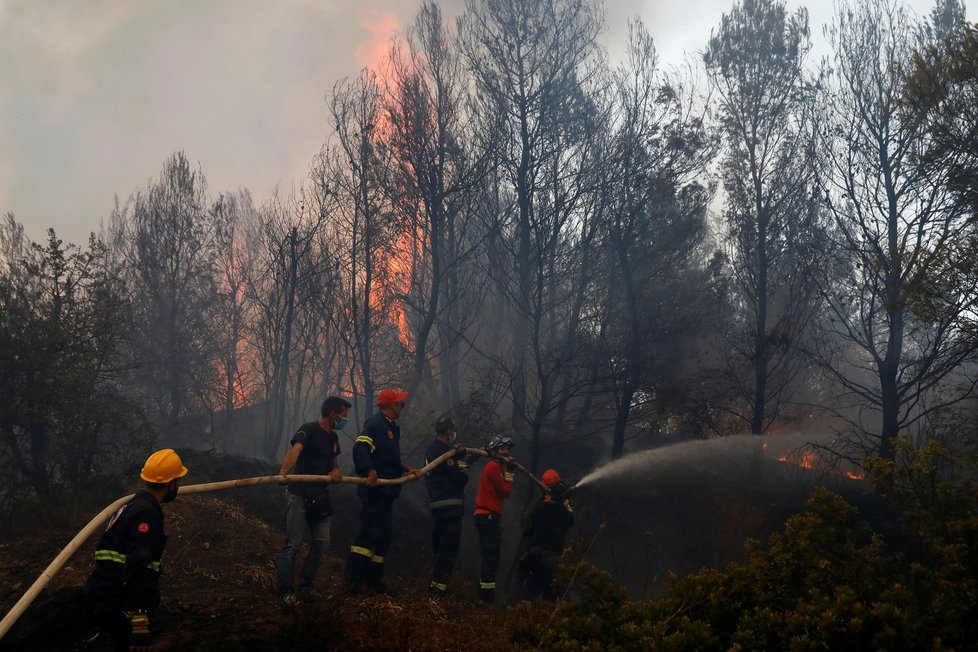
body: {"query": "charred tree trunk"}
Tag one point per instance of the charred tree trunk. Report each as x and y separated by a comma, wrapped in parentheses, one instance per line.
(274, 440)
(760, 327)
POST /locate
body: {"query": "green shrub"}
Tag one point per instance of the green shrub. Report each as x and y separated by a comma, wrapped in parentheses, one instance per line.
(827, 582)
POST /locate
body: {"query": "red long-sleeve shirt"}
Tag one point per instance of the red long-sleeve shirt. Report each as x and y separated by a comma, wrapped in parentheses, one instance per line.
(493, 489)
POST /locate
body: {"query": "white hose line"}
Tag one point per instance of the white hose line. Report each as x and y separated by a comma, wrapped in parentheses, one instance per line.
(87, 531)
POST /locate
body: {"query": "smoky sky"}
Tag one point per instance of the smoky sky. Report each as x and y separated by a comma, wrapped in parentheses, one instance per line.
(96, 94)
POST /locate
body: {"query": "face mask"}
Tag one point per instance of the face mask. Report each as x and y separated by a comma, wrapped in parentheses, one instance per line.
(171, 492)
(342, 423)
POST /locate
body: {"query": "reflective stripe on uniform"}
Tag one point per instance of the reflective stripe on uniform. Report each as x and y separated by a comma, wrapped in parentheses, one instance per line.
(448, 502)
(358, 550)
(487, 585)
(369, 441)
(119, 558)
(377, 559)
(438, 586)
(110, 555)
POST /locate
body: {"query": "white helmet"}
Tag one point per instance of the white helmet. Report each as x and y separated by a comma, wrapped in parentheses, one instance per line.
(498, 441)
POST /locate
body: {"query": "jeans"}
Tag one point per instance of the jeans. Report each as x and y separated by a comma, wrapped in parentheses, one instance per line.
(296, 525)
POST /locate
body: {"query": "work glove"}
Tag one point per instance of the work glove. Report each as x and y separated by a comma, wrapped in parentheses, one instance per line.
(460, 458)
(509, 472)
(140, 640)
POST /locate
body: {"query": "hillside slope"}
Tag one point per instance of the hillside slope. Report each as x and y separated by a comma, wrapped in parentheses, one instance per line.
(217, 583)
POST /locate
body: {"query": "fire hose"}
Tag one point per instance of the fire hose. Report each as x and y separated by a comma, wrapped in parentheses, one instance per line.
(87, 531)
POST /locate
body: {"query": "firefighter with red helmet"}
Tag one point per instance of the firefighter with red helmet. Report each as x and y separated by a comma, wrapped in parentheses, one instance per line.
(376, 456)
(124, 589)
(495, 486)
(545, 525)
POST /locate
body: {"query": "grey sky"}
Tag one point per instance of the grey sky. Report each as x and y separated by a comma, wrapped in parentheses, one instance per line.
(96, 94)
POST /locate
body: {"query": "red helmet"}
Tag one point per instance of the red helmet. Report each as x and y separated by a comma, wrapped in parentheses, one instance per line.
(390, 396)
(550, 476)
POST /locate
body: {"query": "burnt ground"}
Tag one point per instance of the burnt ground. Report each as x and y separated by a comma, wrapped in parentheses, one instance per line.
(218, 576)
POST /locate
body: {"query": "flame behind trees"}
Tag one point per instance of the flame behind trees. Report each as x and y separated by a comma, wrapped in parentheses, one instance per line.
(500, 220)
(355, 168)
(433, 173)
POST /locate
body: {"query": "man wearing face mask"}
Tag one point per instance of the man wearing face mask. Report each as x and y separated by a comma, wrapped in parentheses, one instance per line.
(315, 448)
(446, 491)
(124, 589)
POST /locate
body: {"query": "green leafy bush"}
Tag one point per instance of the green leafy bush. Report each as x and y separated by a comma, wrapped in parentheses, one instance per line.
(826, 582)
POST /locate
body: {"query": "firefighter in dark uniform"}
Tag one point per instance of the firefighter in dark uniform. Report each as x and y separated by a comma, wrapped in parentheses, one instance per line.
(124, 589)
(376, 455)
(495, 486)
(446, 492)
(545, 525)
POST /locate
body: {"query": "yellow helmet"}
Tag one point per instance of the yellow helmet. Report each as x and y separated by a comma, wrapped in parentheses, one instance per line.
(163, 466)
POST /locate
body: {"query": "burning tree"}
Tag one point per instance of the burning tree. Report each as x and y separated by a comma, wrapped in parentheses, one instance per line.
(435, 173)
(356, 168)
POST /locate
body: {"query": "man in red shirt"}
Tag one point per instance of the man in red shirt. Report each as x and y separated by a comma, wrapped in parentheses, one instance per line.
(495, 486)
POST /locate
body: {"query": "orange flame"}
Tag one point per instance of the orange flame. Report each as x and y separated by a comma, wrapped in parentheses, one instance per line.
(808, 459)
(381, 29)
(241, 395)
(232, 284)
(401, 269)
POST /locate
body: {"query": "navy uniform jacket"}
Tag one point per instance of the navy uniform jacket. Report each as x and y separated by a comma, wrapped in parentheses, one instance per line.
(379, 448)
(446, 482)
(128, 557)
(545, 526)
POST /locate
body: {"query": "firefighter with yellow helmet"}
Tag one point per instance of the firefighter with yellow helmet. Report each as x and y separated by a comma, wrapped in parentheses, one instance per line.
(124, 589)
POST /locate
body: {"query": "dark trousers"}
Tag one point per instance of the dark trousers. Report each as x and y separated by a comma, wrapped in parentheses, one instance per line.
(537, 572)
(490, 531)
(365, 565)
(117, 626)
(445, 537)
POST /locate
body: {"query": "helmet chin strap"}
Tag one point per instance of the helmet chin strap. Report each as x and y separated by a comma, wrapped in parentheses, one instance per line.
(172, 488)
